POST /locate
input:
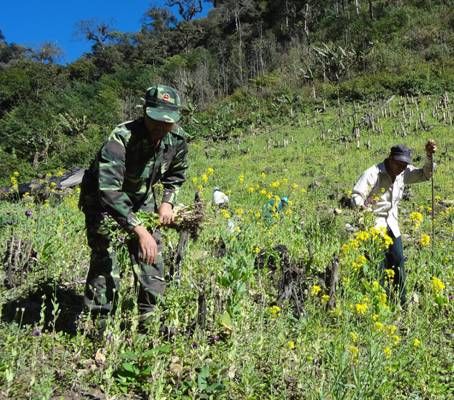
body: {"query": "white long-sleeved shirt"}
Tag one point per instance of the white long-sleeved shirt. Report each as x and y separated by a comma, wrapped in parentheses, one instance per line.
(376, 188)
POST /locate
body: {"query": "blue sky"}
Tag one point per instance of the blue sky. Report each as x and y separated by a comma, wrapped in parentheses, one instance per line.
(32, 22)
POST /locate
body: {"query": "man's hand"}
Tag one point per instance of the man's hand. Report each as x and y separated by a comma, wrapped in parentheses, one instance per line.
(165, 213)
(148, 248)
(431, 148)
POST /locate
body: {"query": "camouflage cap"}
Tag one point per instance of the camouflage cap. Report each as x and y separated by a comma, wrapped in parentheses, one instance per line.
(162, 103)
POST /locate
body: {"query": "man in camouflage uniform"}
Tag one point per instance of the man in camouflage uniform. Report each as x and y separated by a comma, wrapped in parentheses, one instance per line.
(120, 182)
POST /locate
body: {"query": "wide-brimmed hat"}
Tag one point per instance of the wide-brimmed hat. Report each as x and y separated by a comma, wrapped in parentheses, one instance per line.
(162, 103)
(400, 153)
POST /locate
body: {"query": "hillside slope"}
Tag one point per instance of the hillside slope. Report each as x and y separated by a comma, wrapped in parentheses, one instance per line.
(233, 335)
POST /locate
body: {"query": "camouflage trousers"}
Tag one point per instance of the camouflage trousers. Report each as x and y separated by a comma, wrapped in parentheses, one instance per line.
(104, 275)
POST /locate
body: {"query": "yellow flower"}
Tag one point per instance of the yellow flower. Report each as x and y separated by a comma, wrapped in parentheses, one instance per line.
(416, 343)
(389, 273)
(210, 171)
(437, 285)
(14, 183)
(263, 192)
(378, 326)
(241, 179)
(345, 248)
(274, 310)
(391, 329)
(380, 233)
(291, 344)
(424, 240)
(315, 290)
(395, 339)
(225, 213)
(349, 246)
(362, 236)
(359, 263)
(195, 180)
(345, 281)
(204, 178)
(387, 241)
(375, 286)
(354, 336)
(382, 298)
(387, 351)
(362, 259)
(416, 218)
(354, 352)
(256, 249)
(251, 189)
(239, 212)
(325, 298)
(361, 308)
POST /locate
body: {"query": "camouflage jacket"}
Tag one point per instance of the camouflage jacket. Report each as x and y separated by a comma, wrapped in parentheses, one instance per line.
(120, 180)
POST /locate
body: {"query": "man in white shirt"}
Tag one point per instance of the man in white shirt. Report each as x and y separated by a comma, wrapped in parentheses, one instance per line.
(380, 188)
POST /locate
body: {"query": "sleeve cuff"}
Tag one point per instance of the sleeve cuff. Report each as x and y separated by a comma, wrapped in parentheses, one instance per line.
(357, 200)
(169, 196)
(132, 221)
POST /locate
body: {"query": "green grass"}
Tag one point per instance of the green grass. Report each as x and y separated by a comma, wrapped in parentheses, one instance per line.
(250, 347)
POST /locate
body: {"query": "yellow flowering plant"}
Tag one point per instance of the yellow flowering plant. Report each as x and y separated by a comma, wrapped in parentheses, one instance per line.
(416, 219)
(424, 240)
(438, 288)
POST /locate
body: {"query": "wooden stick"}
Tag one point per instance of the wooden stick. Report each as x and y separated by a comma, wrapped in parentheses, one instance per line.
(433, 206)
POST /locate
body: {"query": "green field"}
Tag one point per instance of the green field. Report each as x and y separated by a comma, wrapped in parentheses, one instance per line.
(232, 337)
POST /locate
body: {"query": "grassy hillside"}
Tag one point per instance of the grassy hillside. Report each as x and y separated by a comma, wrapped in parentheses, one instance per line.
(232, 336)
(285, 53)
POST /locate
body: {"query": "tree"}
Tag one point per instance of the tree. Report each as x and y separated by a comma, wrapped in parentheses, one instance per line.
(100, 33)
(10, 51)
(235, 10)
(48, 53)
(186, 8)
(159, 19)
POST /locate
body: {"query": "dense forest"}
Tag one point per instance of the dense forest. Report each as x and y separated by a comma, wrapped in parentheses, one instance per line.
(276, 56)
